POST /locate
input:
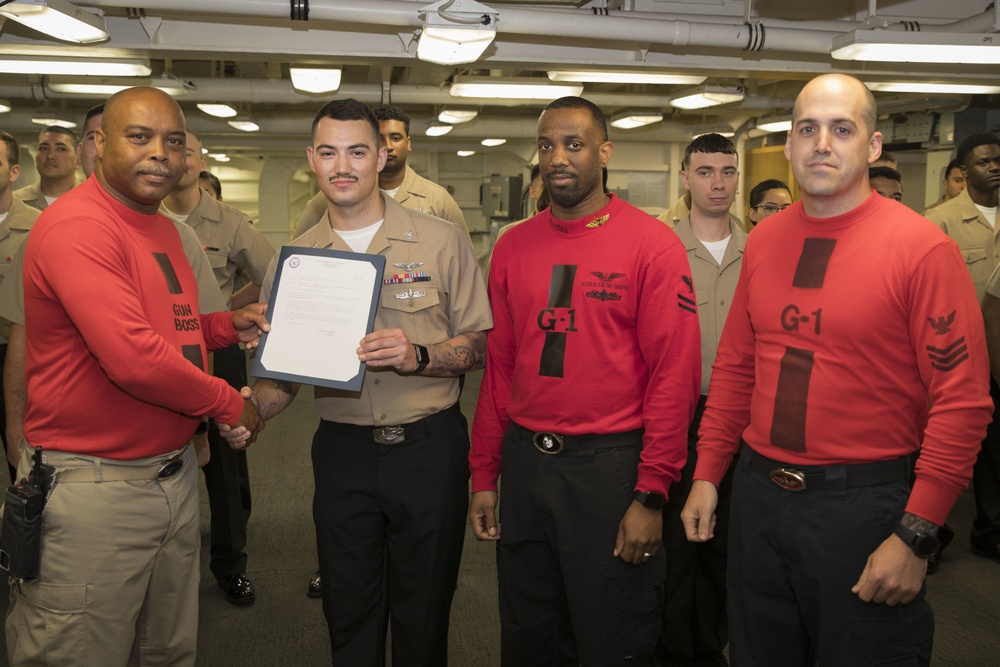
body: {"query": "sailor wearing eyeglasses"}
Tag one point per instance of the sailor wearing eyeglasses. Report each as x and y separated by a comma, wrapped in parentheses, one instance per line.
(767, 198)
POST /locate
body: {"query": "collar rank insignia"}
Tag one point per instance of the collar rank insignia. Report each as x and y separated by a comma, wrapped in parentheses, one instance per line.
(597, 222)
(408, 266)
(408, 233)
(411, 294)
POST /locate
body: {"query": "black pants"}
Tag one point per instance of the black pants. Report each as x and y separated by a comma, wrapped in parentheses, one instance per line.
(986, 481)
(695, 628)
(390, 525)
(793, 559)
(228, 480)
(565, 599)
(3, 413)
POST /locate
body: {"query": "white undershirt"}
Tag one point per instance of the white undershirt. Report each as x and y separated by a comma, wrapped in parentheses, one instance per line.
(717, 248)
(3, 216)
(360, 239)
(49, 200)
(173, 216)
(990, 214)
(391, 193)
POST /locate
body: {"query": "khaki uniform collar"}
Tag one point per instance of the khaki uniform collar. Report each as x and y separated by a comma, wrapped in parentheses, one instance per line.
(734, 250)
(397, 225)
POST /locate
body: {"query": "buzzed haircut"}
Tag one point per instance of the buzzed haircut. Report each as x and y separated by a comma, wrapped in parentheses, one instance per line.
(536, 171)
(885, 172)
(97, 110)
(579, 103)
(13, 152)
(59, 129)
(193, 134)
(388, 112)
(349, 109)
(759, 190)
(213, 180)
(972, 143)
(954, 164)
(708, 143)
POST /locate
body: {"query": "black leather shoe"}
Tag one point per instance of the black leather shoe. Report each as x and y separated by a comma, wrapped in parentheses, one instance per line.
(986, 551)
(315, 589)
(238, 589)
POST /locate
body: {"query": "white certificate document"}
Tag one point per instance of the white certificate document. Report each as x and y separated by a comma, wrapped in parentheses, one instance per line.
(322, 304)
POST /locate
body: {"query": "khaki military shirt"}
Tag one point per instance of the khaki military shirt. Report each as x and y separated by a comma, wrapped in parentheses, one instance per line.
(976, 238)
(13, 230)
(714, 286)
(231, 242)
(415, 193)
(675, 213)
(209, 297)
(32, 195)
(452, 302)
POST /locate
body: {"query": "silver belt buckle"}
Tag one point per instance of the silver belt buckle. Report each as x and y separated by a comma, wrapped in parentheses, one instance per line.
(389, 435)
(789, 479)
(170, 467)
(548, 443)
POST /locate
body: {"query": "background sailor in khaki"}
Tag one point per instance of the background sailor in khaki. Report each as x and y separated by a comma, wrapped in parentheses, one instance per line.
(56, 162)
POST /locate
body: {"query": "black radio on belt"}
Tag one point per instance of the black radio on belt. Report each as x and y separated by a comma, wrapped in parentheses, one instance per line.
(21, 534)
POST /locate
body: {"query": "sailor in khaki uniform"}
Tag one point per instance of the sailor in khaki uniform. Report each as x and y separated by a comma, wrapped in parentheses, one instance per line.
(390, 463)
(232, 244)
(56, 162)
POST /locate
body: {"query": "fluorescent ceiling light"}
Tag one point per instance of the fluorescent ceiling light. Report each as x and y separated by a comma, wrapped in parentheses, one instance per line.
(219, 157)
(5, 106)
(456, 31)
(775, 124)
(627, 120)
(493, 142)
(41, 120)
(244, 124)
(88, 66)
(465, 153)
(218, 110)
(626, 77)
(108, 86)
(59, 19)
(438, 130)
(931, 88)
(707, 96)
(917, 47)
(524, 88)
(315, 79)
(456, 116)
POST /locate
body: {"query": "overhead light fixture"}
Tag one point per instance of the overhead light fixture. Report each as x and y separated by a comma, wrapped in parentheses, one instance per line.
(438, 130)
(493, 142)
(315, 79)
(626, 77)
(218, 110)
(707, 96)
(523, 88)
(244, 124)
(917, 47)
(46, 121)
(782, 124)
(465, 153)
(5, 106)
(219, 157)
(932, 88)
(456, 31)
(87, 66)
(59, 19)
(627, 120)
(457, 116)
(108, 86)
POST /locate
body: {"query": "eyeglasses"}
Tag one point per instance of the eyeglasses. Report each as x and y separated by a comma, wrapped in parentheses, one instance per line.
(772, 208)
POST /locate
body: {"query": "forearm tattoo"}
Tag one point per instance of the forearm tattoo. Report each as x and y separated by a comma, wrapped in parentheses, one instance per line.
(461, 354)
(918, 525)
(273, 396)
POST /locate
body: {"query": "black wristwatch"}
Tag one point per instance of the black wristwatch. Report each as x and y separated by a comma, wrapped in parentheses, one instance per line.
(651, 500)
(422, 358)
(924, 545)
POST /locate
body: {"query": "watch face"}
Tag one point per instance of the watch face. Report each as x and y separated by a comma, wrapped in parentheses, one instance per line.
(925, 545)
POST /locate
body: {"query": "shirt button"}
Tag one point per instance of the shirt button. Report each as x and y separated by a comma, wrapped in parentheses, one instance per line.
(376, 381)
(381, 418)
(722, 302)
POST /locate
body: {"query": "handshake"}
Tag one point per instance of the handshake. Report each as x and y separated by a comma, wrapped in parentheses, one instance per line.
(244, 431)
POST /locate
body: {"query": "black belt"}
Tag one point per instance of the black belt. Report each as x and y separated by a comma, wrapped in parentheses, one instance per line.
(396, 435)
(553, 443)
(799, 478)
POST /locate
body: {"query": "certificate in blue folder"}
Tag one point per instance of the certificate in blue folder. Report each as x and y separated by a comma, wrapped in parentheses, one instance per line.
(322, 304)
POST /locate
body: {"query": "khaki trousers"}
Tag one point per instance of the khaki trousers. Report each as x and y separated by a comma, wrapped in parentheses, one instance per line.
(119, 571)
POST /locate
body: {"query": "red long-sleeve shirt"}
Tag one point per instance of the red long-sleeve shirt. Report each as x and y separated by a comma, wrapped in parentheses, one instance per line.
(595, 332)
(840, 333)
(116, 346)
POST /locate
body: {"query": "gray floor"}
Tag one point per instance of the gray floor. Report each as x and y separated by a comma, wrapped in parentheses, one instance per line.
(284, 627)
